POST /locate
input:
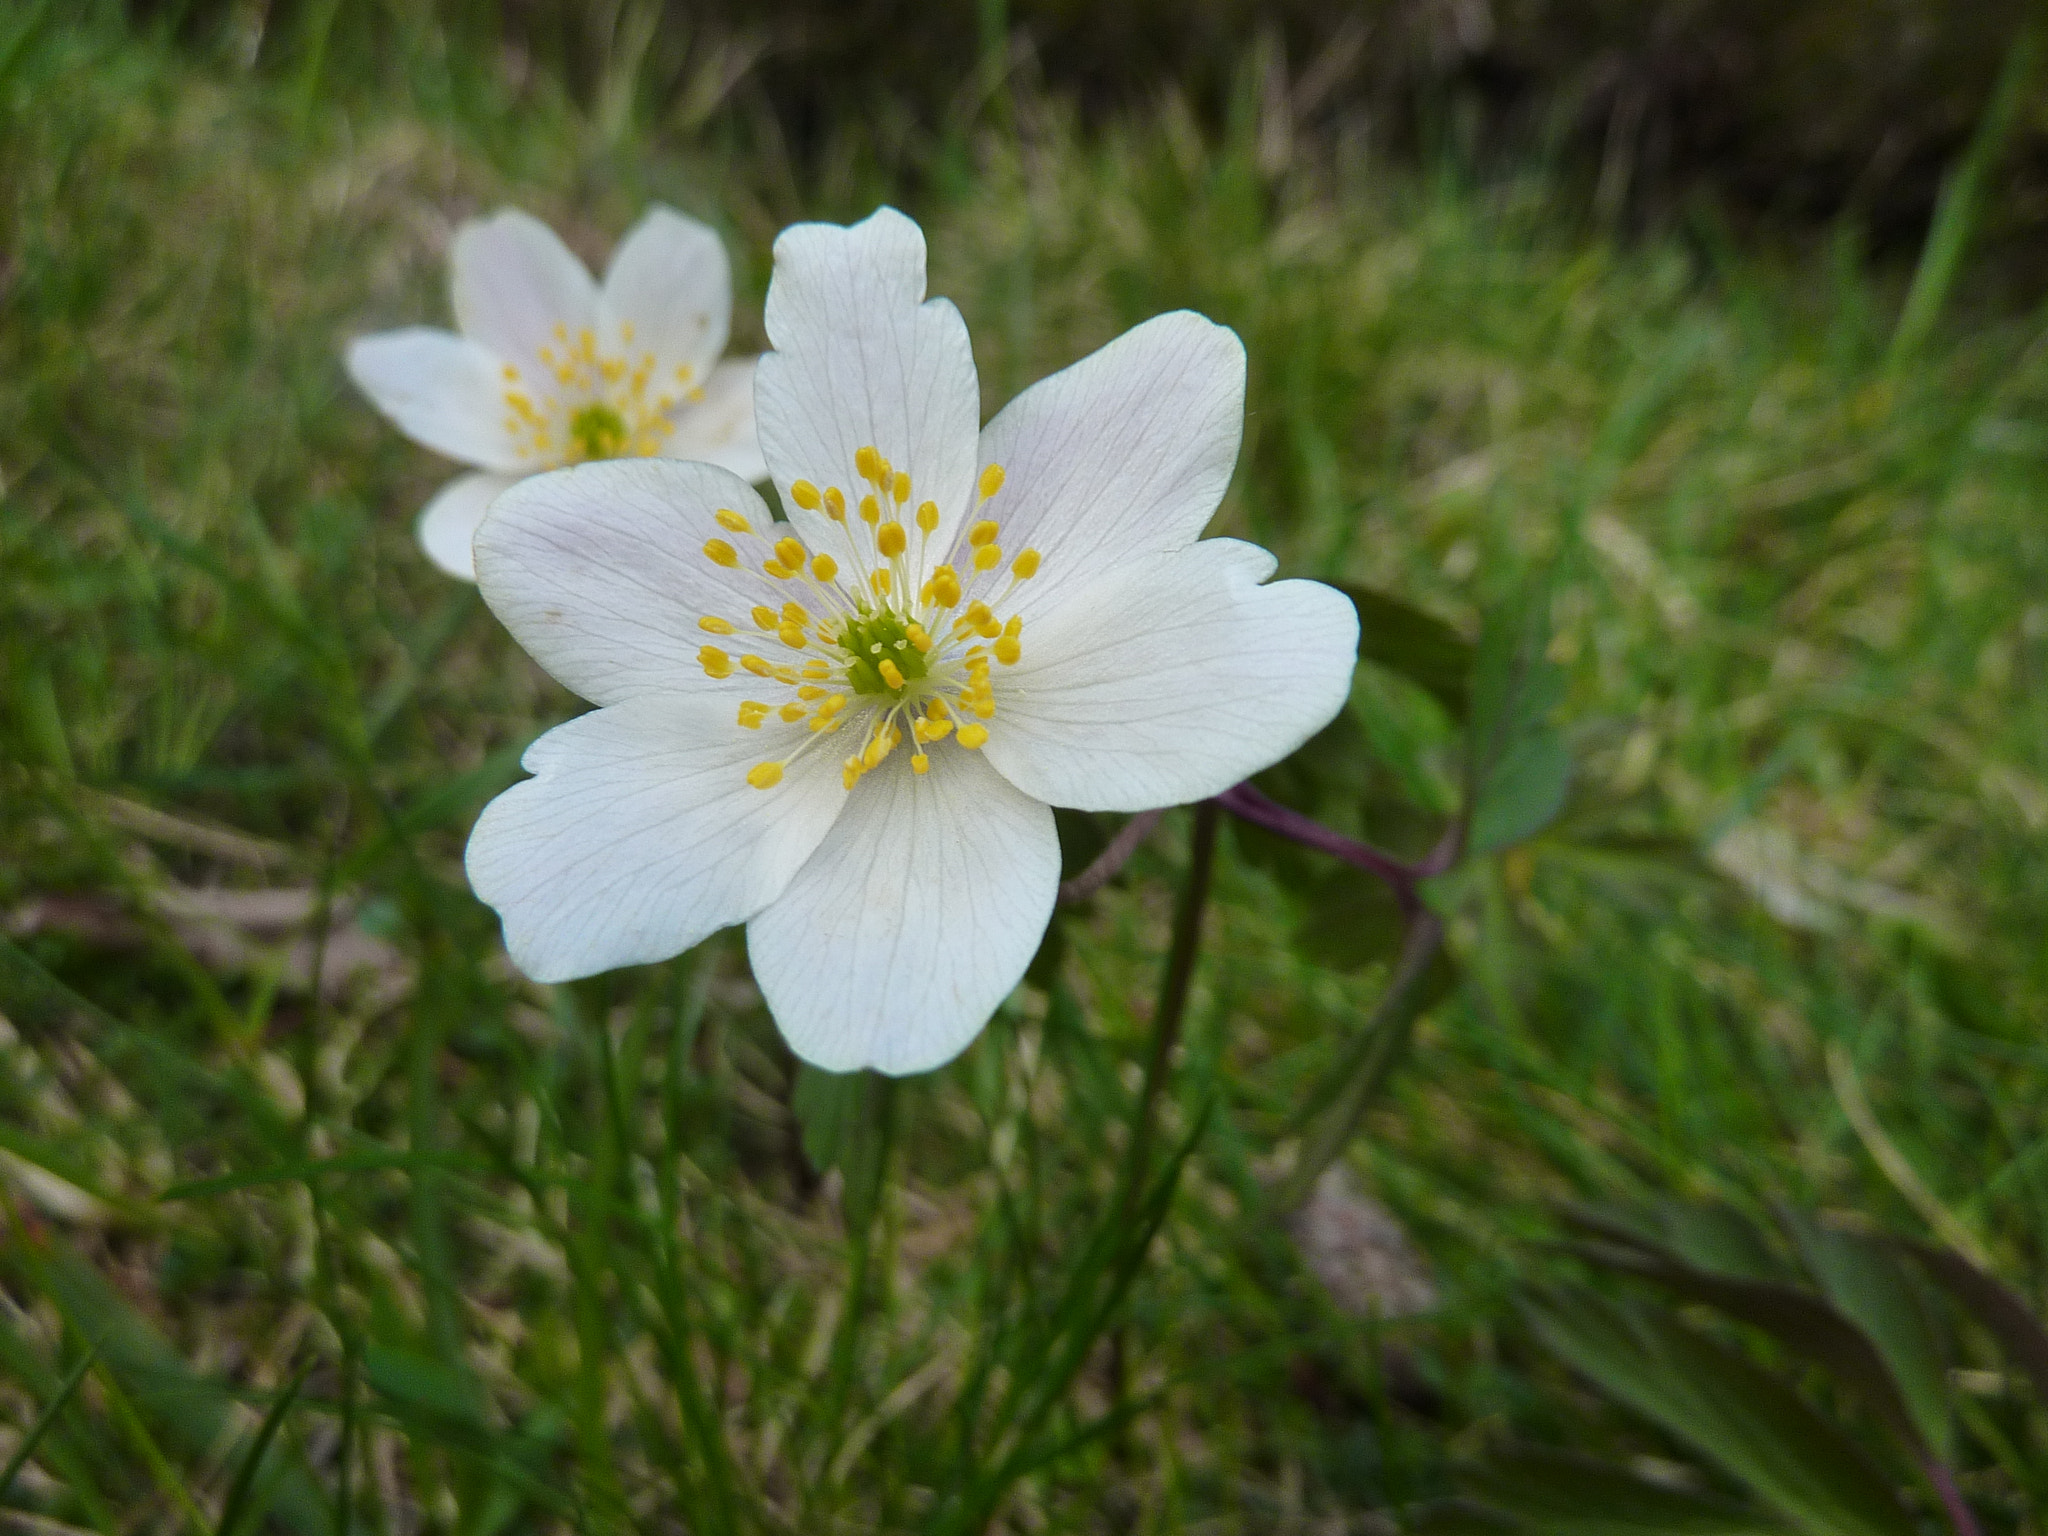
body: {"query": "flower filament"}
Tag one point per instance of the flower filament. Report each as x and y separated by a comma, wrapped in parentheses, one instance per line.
(899, 638)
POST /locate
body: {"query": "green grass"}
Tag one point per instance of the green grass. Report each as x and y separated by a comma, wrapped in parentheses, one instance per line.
(559, 1259)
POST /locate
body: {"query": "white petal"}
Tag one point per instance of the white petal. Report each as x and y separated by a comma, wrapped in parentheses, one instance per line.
(913, 920)
(450, 520)
(1171, 681)
(599, 572)
(514, 282)
(1126, 453)
(440, 390)
(639, 835)
(671, 282)
(862, 359)
(719, 428)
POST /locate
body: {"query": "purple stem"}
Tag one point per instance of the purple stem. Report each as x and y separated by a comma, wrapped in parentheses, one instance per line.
(1111, 859)
(1261, 810)
(1959, 1515)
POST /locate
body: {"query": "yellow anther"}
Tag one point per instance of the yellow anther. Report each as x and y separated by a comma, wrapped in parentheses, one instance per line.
(790, 552)
(891, 540)
(792, 712)
(778, 570)
(824, 567)
(899, 487)
(716, 663)
(983, 532)
(835, 503)
(718, 552)
(511, 373)
(795, 613)
(870, 510)
(810, 691)
(917, 637)
(991, 481)
(935, 709)
(972, 736)
(880, 581)
(867, 463)
(1008, 649)
(766, 617)
(805, 495)
(877, 749)
(984, 708)
(988, 557)
(765, 775)
(1015, 626)
(919, 763)
(792, 635)
(729, 519)
(1025, 566)
(937, 730)
(757, 666)
(712, 625)
(890, 673)
(928, 516)
(977, 614)
(849, 775)
(817, 668)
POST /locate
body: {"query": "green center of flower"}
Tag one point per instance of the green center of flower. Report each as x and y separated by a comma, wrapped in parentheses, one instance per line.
(877, 646)
(598, 431)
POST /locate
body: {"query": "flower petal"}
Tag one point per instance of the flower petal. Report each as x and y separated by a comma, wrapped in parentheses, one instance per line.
(439, 389)
(639, 835)
(719, 428)
(450, 520)
(913, 920)
(1171, 680)
(600, 573)
(1124, 454)
(514, 282)
(671, 282)
(862, 359)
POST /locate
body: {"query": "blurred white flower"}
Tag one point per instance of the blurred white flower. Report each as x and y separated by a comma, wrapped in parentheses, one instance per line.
(550, 369)
(848, 730)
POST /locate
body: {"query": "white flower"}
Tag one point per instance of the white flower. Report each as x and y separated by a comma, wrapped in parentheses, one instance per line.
(848, 731)
(550, 369)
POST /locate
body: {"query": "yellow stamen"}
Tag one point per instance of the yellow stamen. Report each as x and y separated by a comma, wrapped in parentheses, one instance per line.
(729, 519)
(917, 637)
(899, 488)
(972, 736)
(1008, 650)
(766, 617)
(715, 662)
(891, 540)
(870, 510)
(805, 495)
(824, 567)
(983, 532)
(718, 552)
(835, 503)
(928, 516)
(1025, 566)
(879, 580)
(757, 666)
(790, 552)
(792, 712)
(891, 674)
(867, 463)
(765, 775)
(792, 635)
(919, 763)
(991, 481)
(988, 557)
(712, 625)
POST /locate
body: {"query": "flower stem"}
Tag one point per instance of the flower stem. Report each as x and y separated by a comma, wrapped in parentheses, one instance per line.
(1174, 983)
(1112, 858)
(1251, 804)
(1952, 1501)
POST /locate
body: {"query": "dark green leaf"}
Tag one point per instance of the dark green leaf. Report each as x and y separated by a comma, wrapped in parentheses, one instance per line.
(1517, 769)
(1417, 645)
(244, 1484)
(1562, 1494)
(1871, 1286)
(45, 1419)
(1754, 1426)
(1987, 1299)
(1352, 921)
(425, 1387)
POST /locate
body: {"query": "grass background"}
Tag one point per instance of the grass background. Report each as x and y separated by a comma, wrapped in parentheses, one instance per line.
(565, 1261)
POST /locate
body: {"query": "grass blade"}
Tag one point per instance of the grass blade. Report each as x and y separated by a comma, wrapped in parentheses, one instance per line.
(45, 1419)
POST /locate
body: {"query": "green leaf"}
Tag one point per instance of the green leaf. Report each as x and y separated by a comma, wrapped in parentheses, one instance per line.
(244, 1485)
(1871, 1286)
(1751, 1424)
(1517, 768)
(1559, 1493)
(45, 1419)
(1417, 645)
(1352, 921)
(1987, 1299)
